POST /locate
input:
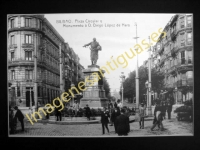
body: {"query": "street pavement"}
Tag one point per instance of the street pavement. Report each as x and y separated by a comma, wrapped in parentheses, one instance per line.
(172, 128)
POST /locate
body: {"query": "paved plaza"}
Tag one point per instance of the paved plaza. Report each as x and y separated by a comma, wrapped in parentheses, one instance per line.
(172, 128)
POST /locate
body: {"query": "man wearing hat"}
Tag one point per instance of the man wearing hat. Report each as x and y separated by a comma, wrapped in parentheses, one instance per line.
(76, 107)
(122, 123)
(87, 112)
(20, 117)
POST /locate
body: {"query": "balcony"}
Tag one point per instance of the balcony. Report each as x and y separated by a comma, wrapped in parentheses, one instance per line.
(184, 62)
(27, 45)
(13, 46)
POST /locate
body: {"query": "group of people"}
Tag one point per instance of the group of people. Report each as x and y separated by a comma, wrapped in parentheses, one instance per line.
(73, 111)
(160, 113)
(14, 114)
(119, 116)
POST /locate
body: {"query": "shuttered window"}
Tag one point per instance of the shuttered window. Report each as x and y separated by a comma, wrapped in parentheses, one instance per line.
(13, 75)
(12, 39)
(182, 39)
(29, 74)
(189, 21)
(189, 38)
(28, 55)
(28, 39)
(183, 57)
(12, 56)
(12, 23)
(27, 22)
(182, 22)
(189, 57)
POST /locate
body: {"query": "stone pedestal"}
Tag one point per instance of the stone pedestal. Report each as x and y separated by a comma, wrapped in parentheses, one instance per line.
(94, 96)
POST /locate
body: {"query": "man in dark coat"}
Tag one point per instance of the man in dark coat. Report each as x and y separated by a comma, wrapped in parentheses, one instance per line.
(169, 109)
(122, 124)
(104, 119)
(115, 104)
(157, 117)
(12, 121)
(20, 117)
(114, 115)
(87, 112)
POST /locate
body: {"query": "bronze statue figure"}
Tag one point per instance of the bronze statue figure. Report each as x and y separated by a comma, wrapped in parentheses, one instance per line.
(95, 47)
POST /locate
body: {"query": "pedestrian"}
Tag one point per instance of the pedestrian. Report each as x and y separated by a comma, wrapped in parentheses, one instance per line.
(76, 107)
(110, 108)
(119, 104)
(169, 109)
(157, 117)
(104, 119)
(122, 123)
(115, 104)
(114, 115)
(163, 109)
(87, 112)
(57, 112)
(20, 117)
(141, 115)
(12, 120)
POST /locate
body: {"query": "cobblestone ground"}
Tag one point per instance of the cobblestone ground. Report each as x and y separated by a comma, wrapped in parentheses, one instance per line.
(172, 128)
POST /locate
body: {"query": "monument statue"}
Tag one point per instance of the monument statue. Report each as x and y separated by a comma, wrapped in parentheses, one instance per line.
(94, 47)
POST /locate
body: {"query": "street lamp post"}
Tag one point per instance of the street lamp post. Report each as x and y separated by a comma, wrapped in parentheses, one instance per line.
(35, 75)
(147, 95)
(122, 77)
(149, 80)
(137, 76)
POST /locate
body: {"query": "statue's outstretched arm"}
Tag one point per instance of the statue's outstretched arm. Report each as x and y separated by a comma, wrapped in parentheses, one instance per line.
(87, 44)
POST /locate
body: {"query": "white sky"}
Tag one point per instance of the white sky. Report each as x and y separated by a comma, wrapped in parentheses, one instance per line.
(114, 40)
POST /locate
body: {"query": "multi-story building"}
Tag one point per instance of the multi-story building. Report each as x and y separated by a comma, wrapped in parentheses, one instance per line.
(32, 38)
(173, 56)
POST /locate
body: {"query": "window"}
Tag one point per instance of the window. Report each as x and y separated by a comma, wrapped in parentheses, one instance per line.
(27, 22)
(12, 23)
(12, 39)
(189, 57)
(28, 39)
(38, 91)
(182, 22)
(182, 39)
(189, 21)
(12, 56)
(189, 38)
(40, 24)
(28, 55)
(13, 75)
(29, 74)
(183, 57)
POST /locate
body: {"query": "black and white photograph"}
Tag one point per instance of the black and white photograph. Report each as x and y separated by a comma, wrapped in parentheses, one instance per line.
(100, 75)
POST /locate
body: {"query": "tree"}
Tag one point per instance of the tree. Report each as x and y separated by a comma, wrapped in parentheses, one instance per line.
(129, 83)
(106, 87)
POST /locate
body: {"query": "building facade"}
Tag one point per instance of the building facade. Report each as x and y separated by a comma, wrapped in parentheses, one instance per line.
(173, 56)
(32, 38)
